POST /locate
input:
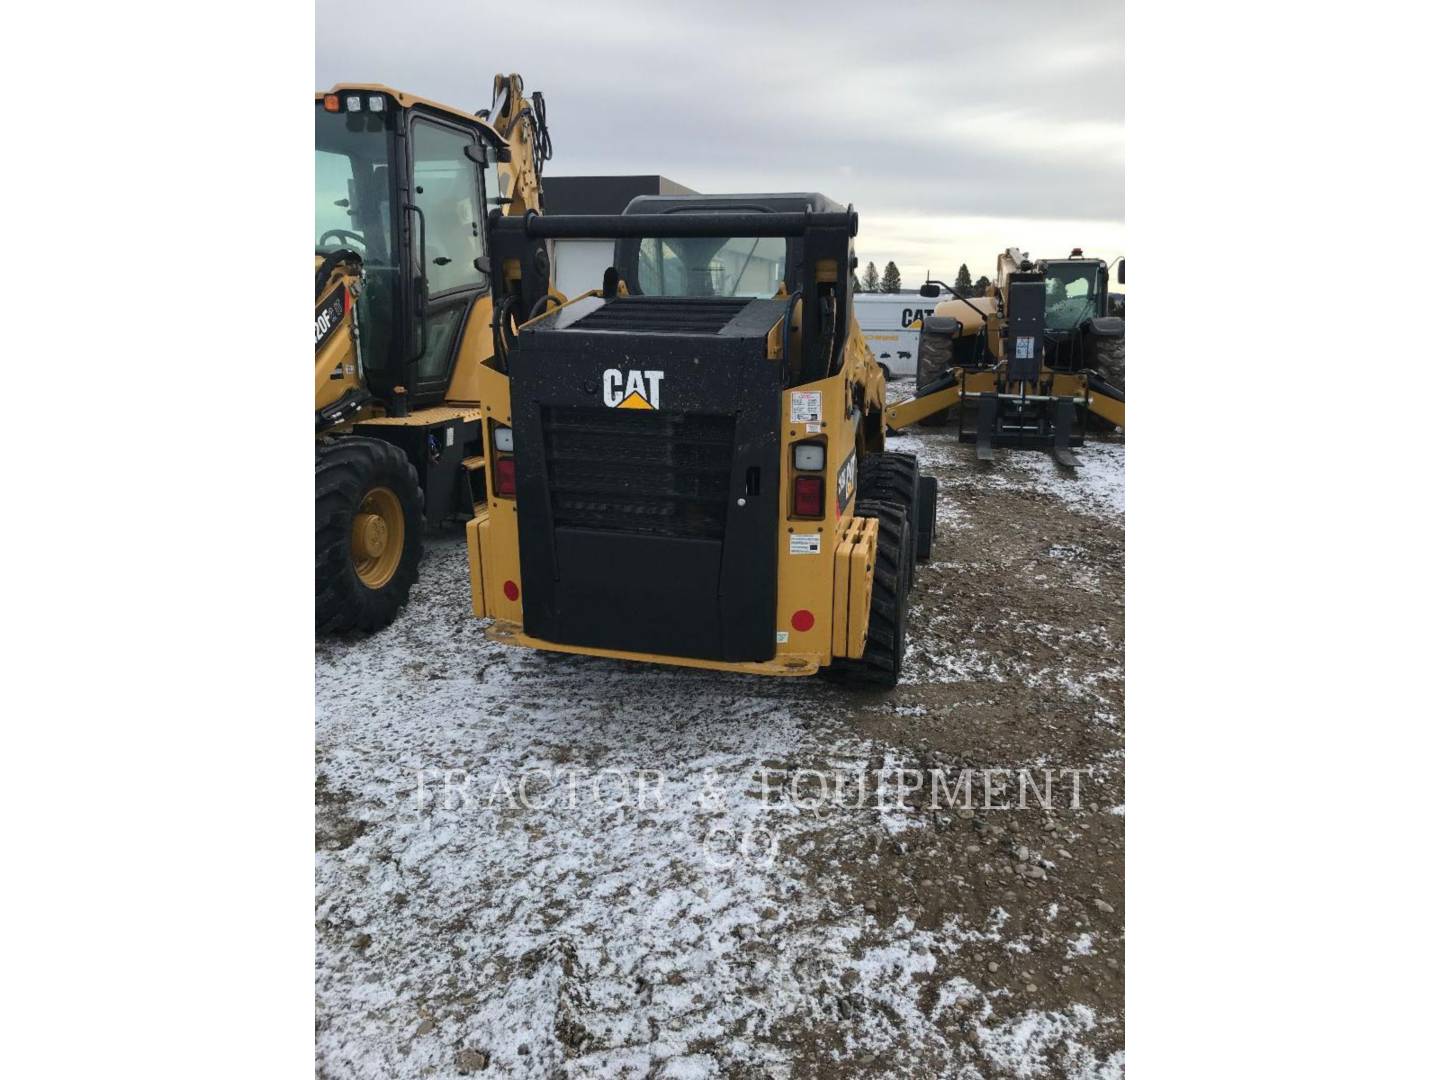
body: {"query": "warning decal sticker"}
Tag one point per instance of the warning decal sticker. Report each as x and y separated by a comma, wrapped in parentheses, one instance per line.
(805, 406)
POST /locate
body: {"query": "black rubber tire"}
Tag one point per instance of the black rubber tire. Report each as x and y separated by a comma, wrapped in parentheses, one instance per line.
(879, 668)
(345, 470)
(1110, 360)
(934, 360)
(894, 477)
(927, 499)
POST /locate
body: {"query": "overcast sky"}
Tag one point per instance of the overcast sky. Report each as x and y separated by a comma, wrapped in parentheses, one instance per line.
(957, 129)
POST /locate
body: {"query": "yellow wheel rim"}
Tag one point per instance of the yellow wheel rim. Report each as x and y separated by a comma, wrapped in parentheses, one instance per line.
(377, 537)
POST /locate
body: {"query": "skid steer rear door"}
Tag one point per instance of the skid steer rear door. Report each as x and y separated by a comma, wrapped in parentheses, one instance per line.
(647, 478)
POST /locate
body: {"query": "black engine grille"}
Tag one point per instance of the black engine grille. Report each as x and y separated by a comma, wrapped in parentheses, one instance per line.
(664, 314)
(636, 471)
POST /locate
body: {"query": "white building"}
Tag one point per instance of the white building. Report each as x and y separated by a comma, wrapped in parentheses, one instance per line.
(580, 264)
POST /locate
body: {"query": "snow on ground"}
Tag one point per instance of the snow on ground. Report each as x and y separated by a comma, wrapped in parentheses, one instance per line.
(611, 923)
(548, 865)
(1096, 487)
(591, 936)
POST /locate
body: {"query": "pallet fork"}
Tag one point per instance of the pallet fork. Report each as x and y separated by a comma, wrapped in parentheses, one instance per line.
(1026, 421)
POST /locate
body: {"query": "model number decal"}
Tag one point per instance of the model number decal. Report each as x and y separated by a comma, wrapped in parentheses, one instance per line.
(328, 315)
(845, 484)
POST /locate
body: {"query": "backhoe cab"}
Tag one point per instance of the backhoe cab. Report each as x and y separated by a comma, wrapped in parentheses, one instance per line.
(689, 461)
(1029, 364)
(403, 190)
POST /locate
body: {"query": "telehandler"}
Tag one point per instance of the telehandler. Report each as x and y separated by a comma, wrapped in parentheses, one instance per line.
(402, 324)
(1029, 363)
(688, 463)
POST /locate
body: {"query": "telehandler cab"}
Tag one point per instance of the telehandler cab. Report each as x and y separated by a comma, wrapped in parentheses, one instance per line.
(689, 461)
(402, 325)
(1029, 363)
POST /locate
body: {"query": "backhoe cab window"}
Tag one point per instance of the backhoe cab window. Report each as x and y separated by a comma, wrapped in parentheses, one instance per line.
(1070, 294)
(352, 211)
(447, 191)
(710, 266)
(352, 186)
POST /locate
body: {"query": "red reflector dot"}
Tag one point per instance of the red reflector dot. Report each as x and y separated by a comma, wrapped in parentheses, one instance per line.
(802, 620)
(512, 591)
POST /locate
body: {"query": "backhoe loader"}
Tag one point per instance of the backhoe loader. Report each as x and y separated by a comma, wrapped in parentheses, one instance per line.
(689, 461)
(402, 325)
(1029, 364)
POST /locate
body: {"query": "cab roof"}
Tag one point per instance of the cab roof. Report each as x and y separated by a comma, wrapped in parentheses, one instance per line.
(778, 202)
(407, 101)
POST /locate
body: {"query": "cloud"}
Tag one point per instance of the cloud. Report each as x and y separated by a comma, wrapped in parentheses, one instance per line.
(925, 116)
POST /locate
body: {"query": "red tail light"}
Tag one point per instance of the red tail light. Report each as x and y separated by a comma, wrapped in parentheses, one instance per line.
(809, 497)
(505, 477)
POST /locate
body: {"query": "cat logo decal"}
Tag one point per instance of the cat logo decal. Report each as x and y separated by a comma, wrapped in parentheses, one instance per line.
(632, 390)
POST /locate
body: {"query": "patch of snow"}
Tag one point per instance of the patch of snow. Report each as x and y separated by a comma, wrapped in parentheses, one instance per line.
(1097, 487)
(1083, 945)
(1020, 1047)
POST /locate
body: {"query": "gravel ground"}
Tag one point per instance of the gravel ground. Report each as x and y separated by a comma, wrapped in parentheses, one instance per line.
(542, 865)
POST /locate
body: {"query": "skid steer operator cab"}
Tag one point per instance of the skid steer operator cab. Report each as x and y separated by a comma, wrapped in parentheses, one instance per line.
(685, 455)
(400, 245)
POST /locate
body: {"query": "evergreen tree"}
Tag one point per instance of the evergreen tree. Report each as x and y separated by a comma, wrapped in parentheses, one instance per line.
(890, 281)
(872, 278)
(855, 284)
(963, 285)
(981, 285)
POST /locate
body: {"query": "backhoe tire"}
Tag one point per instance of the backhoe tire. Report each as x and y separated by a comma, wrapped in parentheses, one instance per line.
(369, 524)
(1110, 360)
(879, 668)
(894, 477)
